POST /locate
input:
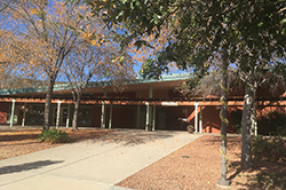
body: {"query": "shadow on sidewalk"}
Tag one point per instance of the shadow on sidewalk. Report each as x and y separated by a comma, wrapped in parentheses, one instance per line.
(27, 166)
(132, 138)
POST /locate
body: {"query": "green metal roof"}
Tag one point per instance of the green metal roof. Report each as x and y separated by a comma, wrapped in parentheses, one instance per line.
(65, 86)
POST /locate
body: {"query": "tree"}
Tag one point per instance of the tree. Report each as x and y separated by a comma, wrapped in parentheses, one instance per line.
(192, 44)
(260, 57)
(79, 68)
(86, 63)
(46, 31)
(5, 4)
(203, 30)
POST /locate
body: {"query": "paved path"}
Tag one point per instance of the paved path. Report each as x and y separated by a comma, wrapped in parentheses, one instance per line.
(90, 164)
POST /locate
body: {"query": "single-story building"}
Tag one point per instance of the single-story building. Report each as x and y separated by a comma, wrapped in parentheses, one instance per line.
(140, 104)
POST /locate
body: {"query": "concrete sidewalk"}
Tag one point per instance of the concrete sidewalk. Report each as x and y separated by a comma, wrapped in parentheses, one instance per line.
(87, 165)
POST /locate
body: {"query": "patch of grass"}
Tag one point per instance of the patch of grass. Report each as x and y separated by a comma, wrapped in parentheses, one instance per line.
(54, 136)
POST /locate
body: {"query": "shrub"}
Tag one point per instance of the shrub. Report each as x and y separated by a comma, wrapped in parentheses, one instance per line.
(54, 136)
(273, 149)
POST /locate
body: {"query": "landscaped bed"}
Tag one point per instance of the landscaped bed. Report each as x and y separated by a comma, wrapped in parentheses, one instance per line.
(202, 169)
(194, 166)
(20, 142)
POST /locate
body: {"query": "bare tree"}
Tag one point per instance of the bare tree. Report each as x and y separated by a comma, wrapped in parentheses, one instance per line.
(45, 33)
(80, 67)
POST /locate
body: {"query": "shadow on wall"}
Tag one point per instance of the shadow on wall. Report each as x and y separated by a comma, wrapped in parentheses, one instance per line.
(27, 166)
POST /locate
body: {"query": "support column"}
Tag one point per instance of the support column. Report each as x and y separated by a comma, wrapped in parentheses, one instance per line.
(147, 115)
(58, 114)
(148, 110)
(24, 115)
(69, 114)
(110, 116)
(154, 118)
(12, 113)
(103, 110)
(201, 120)
(196, 117)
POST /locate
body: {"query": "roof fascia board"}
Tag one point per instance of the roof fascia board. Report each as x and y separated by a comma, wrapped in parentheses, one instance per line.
(106, 83)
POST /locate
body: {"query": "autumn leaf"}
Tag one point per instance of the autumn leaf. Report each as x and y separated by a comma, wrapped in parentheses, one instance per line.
(93, 42)
(34, 11)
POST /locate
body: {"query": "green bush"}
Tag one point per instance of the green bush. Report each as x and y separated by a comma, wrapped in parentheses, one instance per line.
(273, 149)
(54, 136)
(275, 181)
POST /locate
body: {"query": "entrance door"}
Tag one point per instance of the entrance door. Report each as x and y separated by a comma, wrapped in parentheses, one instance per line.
(65, 112)
(64, 115)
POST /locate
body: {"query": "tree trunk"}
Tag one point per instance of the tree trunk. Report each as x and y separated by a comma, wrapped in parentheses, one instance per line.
(247, 124)
(75, 114)
(223, 128)
(224, 123)
(46, 124)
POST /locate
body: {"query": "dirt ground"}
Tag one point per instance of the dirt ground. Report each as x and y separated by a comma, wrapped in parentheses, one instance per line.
(194, 166)
(19, 141)
(197, 166)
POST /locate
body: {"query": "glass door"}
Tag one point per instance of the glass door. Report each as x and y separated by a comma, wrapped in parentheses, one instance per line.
(64, 115)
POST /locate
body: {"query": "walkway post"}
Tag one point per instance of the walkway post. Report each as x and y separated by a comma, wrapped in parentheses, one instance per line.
(154, 118)
(201, 120)
(147, 116)
(103, 110)
(12, 113)
(58, 114)
(148, 109)
(110, 116)
(68, 119)
(196, 117)
(24, 115)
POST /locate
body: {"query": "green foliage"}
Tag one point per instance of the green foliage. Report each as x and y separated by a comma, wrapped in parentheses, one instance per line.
(273, 149)
(271, 181)
(54, 136)
(268, 181)
(250, 32)
(153, 67)
(274, 123)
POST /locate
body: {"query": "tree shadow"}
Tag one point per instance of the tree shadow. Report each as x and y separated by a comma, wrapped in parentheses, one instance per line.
(86, 134)
(125, 136)
(18, 137)
(263, 175)
(27, 166)
(133, 137)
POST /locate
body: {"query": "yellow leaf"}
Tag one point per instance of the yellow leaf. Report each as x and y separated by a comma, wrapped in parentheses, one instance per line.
(93, 42)
(121, 60)
(34, 11)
